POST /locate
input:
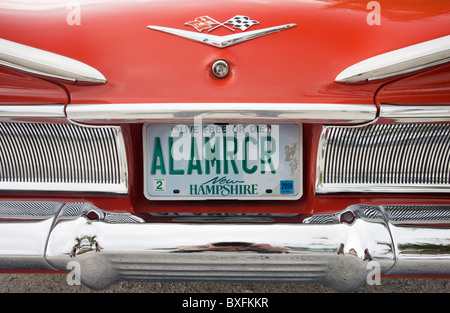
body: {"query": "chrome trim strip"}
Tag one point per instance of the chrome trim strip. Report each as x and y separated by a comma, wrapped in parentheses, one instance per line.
(398, 62)
(409, 113)
(138, 112)
(221, 41)
(338, 249)
(315, 111)
(47, 64)
(11, 112)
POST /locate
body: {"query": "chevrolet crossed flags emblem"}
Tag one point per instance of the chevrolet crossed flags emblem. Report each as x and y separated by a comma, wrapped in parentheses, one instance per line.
(205, 22)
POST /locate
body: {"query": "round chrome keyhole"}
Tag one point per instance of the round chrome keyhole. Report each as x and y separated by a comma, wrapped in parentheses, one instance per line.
(220, 69)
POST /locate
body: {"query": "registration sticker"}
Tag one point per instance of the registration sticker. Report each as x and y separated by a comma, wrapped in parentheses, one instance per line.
(286, 187)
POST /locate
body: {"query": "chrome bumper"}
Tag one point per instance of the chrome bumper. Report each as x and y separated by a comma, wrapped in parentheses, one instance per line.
(339, 250)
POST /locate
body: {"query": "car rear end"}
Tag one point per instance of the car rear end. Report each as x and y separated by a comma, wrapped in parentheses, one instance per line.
(174, 141)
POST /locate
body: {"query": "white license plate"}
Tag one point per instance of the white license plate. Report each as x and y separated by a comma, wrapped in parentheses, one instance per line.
(227, 161)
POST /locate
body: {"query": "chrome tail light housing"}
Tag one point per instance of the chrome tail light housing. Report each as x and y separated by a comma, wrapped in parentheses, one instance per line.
(62, 157)
(403, 157)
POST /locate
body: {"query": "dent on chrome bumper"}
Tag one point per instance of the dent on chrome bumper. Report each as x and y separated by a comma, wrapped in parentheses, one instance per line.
(333, 249)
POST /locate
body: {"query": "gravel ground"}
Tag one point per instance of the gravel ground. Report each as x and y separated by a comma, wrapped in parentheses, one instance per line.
(56, 283)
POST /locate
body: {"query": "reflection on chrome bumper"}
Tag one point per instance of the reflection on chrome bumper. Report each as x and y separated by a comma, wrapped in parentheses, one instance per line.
(333, 249)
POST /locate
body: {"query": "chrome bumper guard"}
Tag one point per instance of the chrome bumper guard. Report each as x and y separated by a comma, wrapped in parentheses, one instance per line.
(339, 250)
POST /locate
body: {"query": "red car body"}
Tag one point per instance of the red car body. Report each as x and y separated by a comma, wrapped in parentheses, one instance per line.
(146, 68)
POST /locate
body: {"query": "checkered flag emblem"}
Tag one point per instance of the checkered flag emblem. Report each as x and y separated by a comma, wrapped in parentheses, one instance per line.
(241, 22)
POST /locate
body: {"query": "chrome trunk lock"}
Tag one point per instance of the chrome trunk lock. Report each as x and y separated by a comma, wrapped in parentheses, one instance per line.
(220, 69)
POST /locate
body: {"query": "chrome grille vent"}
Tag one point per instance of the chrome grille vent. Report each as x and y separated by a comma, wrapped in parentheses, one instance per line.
(398, 214)
(62, 157)
(384, 158)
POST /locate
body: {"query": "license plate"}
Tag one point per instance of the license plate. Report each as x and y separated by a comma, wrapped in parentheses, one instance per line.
(222, 161)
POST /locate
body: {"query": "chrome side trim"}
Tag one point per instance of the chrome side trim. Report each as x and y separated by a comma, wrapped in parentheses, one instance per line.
(398, 62)
(221, 41)
(339, 249)
(47, 64)
(138, 112)
(408, 114)
(387, 158)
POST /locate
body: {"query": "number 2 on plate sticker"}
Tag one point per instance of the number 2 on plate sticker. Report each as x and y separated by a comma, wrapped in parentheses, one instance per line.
(159, 184)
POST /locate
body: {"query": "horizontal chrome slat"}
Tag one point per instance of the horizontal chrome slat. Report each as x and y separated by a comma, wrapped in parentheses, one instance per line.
(386, 158)
(138, 112)
(301, 111)
(36, 210)
(417, 214)
(25, 112)
(411, 114)
(62, 157)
